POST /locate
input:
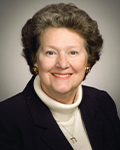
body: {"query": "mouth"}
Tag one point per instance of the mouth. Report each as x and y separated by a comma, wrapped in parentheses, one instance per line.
(59, 75)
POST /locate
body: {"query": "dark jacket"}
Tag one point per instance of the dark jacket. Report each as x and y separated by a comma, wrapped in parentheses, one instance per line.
(26, 123)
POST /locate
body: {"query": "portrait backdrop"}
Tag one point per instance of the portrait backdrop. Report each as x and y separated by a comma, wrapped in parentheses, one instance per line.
(14, 72)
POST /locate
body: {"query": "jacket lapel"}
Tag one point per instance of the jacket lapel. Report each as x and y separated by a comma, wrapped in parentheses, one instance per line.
(45, 126)
(92, 117)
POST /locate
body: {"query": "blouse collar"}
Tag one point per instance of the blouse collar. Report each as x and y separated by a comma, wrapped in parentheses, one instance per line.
(61, 112)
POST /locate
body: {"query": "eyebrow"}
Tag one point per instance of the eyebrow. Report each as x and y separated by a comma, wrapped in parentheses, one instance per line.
(56, 47)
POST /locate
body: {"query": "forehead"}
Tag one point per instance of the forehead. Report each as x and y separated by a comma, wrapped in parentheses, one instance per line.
(62, 36)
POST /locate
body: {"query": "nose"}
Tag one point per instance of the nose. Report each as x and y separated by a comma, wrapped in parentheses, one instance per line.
(62, 61)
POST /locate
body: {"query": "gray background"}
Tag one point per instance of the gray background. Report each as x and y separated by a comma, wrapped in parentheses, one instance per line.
(14, 72)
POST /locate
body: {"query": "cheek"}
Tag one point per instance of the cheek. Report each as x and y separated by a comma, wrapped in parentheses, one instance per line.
(44, 64)
(79, 64)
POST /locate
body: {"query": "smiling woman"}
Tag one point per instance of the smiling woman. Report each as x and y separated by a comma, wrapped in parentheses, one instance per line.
(61, 43)
(61, 59)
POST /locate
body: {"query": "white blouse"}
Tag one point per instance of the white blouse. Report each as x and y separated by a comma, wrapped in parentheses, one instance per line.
(68, 117)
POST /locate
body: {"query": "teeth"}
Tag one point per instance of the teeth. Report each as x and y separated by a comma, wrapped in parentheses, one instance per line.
(61, 75)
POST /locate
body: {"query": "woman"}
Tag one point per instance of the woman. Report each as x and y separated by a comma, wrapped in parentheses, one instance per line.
(61, 45)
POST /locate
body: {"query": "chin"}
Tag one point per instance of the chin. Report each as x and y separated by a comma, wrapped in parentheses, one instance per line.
(63, 90)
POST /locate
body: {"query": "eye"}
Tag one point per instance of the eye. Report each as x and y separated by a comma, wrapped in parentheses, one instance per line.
(73, 53)
(49, 53)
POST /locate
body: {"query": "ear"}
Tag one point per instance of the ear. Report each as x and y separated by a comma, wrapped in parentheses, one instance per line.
(88, 65)
(36, 65)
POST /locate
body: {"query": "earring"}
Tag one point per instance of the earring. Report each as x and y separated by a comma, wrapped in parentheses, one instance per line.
(35, 69)
(87, 69)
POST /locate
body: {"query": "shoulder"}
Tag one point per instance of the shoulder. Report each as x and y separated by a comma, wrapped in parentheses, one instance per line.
(100, 99)
(13, 102)
(96, 95)
(18, 101)
(92, 91)
(13, 107)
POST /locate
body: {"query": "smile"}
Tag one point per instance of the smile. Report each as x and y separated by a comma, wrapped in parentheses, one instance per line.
(62, 75)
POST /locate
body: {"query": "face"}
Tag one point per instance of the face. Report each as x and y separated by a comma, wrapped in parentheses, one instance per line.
(61, 61)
